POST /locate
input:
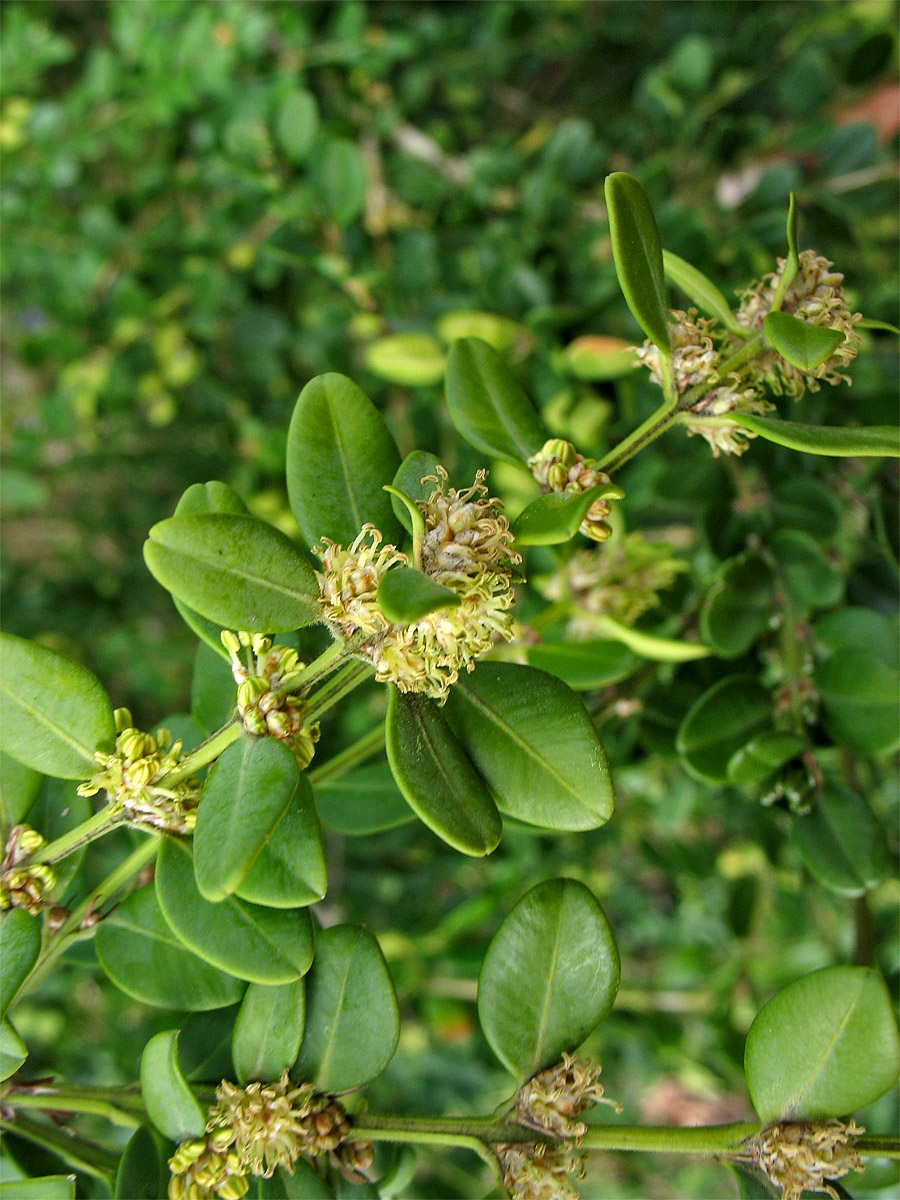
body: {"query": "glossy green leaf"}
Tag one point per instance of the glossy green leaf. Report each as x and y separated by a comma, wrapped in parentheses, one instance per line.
(142, 956)
(811, 578)
(20, 946)
(171, 1105)
(854, 628)
(416, 467)
(44, 1187)
(701, 290)
(411, 359)
(801, 343)
(763, 754)
(213, 690)
(637, 253)
(556, 517)
(738, 607)
(302, 1183)
(725, 718)
(833, 440)
(204, 1044)
(842, 842)
(487, 404)
(290, 871)
(297, 124)
(549, 977)
(340, 454)
(437, 778)
(532, 740)
(246, 794)
(56, 713)
(859, 693)
(365, 800)
(19, 785)
(268, 1030)
(261, 945)
(237, 571)
(143, 1172)
(583, 665)
(405, 595)
(352, 1018)
(753, 1185)
(339, 175)
(824, 1046)
(648, 645)
(13, 1050)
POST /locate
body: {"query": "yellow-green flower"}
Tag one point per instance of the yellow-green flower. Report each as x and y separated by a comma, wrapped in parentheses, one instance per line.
(801, 1157)
(266, 677)
(558, 467)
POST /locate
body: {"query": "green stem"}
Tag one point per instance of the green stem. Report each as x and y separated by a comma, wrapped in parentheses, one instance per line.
(358, 752)
(657, 423)
(74, 1150)
(88, 831)
(336, 654)
(340, 685)
(205, 753)
(120, 1107)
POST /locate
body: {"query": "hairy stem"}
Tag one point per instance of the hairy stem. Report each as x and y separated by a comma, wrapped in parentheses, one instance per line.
(348, 678)
(82, 835)
(335, 656)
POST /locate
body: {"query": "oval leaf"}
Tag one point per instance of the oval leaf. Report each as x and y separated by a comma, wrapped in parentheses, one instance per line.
(290, 871)
(532, 740)
(171, 1105)
(412, 359)
(268, 1030)
(832, 440)
(499, 332)
(237, 571)
(142, 956)
(597, 358)
(763, 755)
(18, 787)
(701, 290)
(246, 794)
(549, 977)
(584, 666)
(487, 404)
(56, 713)
(297, 124)
(725, 718)
(557, 516)
(340, 454)
(352, 1018)
(262, 945)
(437, 779)
(859, 693)
(803, 344)
(842, 843)
(637, 254)
(825, 1046)
(366, 800)
(405, 594)
(20, 947)
(339, 174)
(738, 607)
(811, 578)
(13, 1050)
(143, 1172)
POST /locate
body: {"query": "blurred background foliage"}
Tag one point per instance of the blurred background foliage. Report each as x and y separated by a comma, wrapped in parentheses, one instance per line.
(204, 205)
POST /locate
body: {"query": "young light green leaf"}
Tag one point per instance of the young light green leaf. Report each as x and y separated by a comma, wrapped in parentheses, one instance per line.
(648, 645)
(803, 344)
(142, 956)
(268, 1030)
(290, 871)
(597, 358)
(352, 1018)
(871, 323)
(143, 1172)
(411, 359)
(697, 287)
(487, 404)
(13, 1050)
(584, 666)
(556, 517)
(417, 466)
(246, 794)
(436, 777)
(637, 253)
(763, 755)
(261, 945)
(725, 718)
(340, 454)
(549, 977)
(405, 595)
(531, 739)
(43, 1187)
(20, 946)
(499, 332)
(823, 1046)
(365, 800)
(842, 842)
(239, 572)
(859, 693)
(835, 441)
(56, 713)
(297, 124)
(738, 607)
(171, 1105)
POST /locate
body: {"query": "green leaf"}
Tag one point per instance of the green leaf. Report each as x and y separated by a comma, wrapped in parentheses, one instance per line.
(411, 359)
(297, 124)
(803, 344)
(807, 504)
(56, 713)
(597, 358)
(648, 645)
(487, 404)
(366, 800)
(171, 1105)
(142, 956)
(45, 1187)
(20, 947)
(339, 175)
(268, 1030)
(549, 977)
(725, 718)
(812, 580)
(213, 690)
(532, 740)
(13, 1050)
(763, 755)
(405, 595)
(584, 666)
(859, 693)
(556, 517)
(824, 1046)
(340, 454)
(870, 323)
(437, 779)
(58, 809)
(831, 440)
(637, 254)
(18, 787)
(246, 794)
(352, 1018)
(143, 1172)
(853, 628)
(841, 842)
(792, 265)
(204, 1045)
(499, 332)
(237, 571)
(261, 945)
(290, 871)
(697, 287)
(303, 1182)
(417, 466)
(738, 607)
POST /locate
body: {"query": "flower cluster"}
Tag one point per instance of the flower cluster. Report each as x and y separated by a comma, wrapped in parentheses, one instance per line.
(465, 546)
(205, 1167)
(24, 885)
(540, 1172)
(266, 676)
(801, 1157)
(553, 1099)
(558, 467)
(134, 777)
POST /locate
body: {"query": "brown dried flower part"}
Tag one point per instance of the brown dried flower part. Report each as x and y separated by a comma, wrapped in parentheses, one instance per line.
(540, 1172)
(803, 1157)
(554, 1098)
(558, 467)
(815, 294)
(207, 1167)
(134, 777)
(266, 677)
